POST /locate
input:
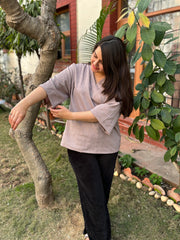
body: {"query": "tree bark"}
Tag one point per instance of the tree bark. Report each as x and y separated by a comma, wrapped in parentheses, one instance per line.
(45, 31)
(20, 75)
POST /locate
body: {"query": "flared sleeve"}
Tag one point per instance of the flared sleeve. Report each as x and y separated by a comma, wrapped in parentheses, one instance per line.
(60, 86)
(107, 115)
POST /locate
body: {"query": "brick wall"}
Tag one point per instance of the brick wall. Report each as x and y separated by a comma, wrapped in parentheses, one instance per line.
(110, 26)
(60, 64)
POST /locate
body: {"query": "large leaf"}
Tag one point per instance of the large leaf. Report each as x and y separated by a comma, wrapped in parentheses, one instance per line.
(146, 52)
(145, 103)
(154, 112)
(177, 69)
(130, 45)
(168, 87)
(148, 69)
(161, 78)
(166, 116)
(157, 124)
(152, 133)
(141, 134)
(159, 35)
(170, 67)
(157, 97)
(159, 58)
(153, 78)
(176, 124)
(137, 100)
(161, 26)
(121, 31)
(131, 33)
(147, 35)
(136, 57)
(177, 137)
(142, 5)
(136, 131)
(144, 19)
(131, 18)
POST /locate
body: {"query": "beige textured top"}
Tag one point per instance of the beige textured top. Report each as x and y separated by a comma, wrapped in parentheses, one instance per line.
(77, 82)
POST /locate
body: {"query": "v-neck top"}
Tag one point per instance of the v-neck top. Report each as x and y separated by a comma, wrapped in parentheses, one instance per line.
(78, 83)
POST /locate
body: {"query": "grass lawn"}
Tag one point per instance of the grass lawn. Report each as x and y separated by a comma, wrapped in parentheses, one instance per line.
(134, 214)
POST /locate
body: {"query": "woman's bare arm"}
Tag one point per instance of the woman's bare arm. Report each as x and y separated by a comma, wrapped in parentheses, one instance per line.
(18, 113)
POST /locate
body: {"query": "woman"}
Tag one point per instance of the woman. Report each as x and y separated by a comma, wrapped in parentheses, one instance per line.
(99, 92)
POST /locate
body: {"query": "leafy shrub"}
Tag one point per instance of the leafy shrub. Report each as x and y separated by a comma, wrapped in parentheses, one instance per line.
(7, 87)
(140, 171)
(155, 179)
(126, 161)
(59, 127)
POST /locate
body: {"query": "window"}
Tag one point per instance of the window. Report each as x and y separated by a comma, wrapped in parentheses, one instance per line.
(63, 21)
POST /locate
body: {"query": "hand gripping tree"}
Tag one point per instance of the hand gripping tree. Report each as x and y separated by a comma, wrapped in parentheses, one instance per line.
(157, 80)
(45, 31)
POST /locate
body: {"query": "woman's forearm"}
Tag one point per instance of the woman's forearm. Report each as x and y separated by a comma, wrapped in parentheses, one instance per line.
(18, 113)
(35, 96)
(63, 113)
(86, 116)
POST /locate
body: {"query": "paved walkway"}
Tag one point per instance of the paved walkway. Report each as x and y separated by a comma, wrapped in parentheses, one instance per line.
(151, 158)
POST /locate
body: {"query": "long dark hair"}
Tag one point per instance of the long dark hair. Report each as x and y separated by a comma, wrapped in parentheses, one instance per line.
(117, 83)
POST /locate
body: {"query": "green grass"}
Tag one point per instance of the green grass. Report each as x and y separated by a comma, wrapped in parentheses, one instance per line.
(134, 214)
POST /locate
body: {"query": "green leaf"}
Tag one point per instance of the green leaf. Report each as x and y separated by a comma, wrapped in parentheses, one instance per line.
(137, 100)
(136, 131)
(177, 69)
(143, 5)
(166, 116)
(141, 134)
(153, 78)
(139, 87)
(176, 124)
(146, 94)
(148, 69)
(147, 35)
(157, 124)
(145, 103)
(168, 87)
(169, 143)
(159, 35)
(136, 57)
(161, 26)
(129, 130)
(177, 137)
(172, 78)
(121, 31)
(154, 112)
(170, 134)
(161, 78)
(131, 33)
(167, 156)
(146, 52)
(173, 151)
(130, 45)
(157, 97)
(152, 133)
(159, 58)
(170, 67)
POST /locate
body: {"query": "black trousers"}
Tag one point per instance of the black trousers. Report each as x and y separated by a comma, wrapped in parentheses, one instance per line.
(94, 173)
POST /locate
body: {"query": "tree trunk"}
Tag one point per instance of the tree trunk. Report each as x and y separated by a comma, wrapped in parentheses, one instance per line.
(45, 31)
(20, 75)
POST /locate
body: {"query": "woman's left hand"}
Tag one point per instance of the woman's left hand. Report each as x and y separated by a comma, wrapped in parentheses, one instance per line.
(60, 112)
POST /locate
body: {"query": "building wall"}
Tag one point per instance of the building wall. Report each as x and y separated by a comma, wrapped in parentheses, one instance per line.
(87, 13)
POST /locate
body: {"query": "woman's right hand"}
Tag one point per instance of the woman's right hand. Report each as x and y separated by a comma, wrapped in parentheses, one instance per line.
(17, 114)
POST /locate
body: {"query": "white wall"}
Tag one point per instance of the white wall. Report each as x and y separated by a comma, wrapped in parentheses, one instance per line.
(87, 13)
